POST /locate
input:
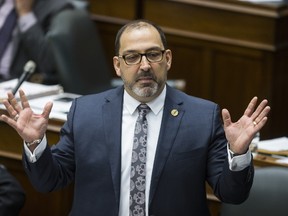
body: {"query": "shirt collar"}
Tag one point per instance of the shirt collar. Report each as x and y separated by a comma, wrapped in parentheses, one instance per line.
(155, 105)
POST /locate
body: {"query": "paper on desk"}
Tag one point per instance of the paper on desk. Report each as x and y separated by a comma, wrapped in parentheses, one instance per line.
(277, 144)
(282, 160)
(32, 90)
(61, 104)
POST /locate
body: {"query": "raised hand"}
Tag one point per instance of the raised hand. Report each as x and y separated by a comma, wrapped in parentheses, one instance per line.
(29, 125)
(240, 134)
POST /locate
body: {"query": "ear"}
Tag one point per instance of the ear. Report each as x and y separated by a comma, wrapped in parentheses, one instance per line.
(168, 57)
(116, 64)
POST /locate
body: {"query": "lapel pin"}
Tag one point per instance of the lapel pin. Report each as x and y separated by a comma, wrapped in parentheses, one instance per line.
(174, 112)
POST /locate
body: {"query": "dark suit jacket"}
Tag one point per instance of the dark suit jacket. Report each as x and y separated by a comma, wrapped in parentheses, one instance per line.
(12, 196)
(33, 44)
(191, 149)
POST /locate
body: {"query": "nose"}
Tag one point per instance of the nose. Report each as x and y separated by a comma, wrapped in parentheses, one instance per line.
(144, 64)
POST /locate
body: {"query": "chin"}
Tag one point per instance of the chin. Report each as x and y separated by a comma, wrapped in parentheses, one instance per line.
(146, 91)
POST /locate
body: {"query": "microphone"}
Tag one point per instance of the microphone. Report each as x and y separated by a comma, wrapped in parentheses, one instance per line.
(29, 68)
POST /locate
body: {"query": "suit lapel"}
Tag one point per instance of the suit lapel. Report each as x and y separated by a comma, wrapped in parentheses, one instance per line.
(172, 115)
(112, 117)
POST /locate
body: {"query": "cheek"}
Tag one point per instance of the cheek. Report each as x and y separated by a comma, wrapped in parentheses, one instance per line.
(121, 70)
(161, 72)
(127, 74)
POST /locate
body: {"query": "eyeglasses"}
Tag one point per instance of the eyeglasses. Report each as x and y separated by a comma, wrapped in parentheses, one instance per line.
(135, 58)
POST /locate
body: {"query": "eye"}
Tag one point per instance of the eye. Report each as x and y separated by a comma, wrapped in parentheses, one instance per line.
(132, 57)
(153, 55)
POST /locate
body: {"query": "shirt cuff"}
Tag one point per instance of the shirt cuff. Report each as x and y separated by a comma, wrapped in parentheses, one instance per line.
(239, 162)
(26, 21)
(33, 156)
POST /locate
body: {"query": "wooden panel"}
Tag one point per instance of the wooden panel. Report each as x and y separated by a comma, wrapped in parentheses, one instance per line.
(212, 20)
(279, 94)
(188, 63)
(8, 136)
(235, 79)
(125, 9)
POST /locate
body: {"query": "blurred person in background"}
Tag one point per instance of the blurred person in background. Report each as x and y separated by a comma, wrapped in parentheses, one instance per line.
(12, 196)
(24, 25)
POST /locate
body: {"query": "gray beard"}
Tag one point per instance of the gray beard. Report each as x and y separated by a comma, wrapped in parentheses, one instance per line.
(146, 91)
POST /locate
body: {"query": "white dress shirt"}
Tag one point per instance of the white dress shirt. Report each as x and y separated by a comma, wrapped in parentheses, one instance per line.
(129, 118)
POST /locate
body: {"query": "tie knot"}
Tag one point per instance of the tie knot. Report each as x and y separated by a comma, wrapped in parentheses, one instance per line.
(143, 109)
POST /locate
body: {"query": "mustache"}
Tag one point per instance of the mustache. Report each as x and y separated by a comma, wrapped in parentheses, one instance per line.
(146, 74)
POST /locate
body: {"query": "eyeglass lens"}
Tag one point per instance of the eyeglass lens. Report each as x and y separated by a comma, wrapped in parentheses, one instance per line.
(135, 58)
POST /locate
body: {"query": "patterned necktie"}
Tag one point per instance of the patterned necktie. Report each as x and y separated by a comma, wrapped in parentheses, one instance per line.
(138, 164)
(6, 31)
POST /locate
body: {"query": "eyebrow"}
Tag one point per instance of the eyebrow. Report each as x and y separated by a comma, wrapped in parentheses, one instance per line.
(147, 50)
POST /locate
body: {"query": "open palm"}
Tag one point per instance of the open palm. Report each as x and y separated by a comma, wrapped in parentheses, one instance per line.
(29, 125)
(240, 134)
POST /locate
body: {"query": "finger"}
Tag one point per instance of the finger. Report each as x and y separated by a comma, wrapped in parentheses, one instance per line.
(259, 111)
(8, 120)
(47, 110)
(10, 109)
(262, 115)
(14, 102)
(226, 117)
(260, 124)
(24, 100)
(251, 107)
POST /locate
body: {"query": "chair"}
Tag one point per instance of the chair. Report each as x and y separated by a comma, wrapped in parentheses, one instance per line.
(268, 195)
(80, 59)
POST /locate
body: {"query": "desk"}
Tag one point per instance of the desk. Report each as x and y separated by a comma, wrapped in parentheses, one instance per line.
(59, 203)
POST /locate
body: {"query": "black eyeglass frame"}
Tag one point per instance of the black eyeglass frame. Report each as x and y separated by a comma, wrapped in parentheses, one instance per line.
(141, 55)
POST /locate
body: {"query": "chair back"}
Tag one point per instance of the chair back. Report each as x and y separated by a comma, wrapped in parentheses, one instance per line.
(81, 62)
(268, 195)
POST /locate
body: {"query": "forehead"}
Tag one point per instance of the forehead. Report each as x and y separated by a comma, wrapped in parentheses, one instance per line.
(140, 39)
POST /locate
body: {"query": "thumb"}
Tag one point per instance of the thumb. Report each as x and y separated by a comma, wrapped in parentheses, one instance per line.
(47, 110)
(226, 118)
